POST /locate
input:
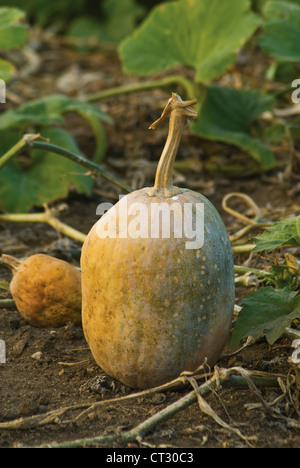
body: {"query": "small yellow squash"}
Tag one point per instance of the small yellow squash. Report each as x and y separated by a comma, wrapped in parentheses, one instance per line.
(46, 290)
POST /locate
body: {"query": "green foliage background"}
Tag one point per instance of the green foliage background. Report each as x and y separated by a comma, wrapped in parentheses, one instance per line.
(60, 12)
(202, 38)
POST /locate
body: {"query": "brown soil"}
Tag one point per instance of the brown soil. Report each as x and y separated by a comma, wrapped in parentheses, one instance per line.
(49, 369)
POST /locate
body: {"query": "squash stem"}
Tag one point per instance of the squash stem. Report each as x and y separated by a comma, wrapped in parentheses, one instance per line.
(11, 262)
(181, 113)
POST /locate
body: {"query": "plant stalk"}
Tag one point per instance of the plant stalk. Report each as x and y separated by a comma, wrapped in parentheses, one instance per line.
(30, 140)
(4, 285)
(242, 270)
(7, 303)
(94, 168)
(11, 262)
(245, 248)
(144, 86)
(27, 139)
(46, 218)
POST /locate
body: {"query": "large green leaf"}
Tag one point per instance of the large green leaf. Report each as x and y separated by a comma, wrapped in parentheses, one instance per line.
(227, 115)
(49, 110)
(12, 33)
(46, 177)
(266, 312)
(282, 30)
(203, 35)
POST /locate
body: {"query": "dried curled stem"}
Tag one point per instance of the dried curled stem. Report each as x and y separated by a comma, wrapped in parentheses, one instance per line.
(253, 222)
(180, 113)
(11, 262)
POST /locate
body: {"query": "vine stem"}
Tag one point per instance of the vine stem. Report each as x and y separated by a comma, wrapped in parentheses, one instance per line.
(138, 432)
(4, 285)
(7, 304)
(243, 248)
(94, 168)
(242, 270)
(144, 86)
(27, 139)
(46, 218)
(30, 140)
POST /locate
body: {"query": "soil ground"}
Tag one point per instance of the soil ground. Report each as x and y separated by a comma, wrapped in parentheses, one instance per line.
(49, 369)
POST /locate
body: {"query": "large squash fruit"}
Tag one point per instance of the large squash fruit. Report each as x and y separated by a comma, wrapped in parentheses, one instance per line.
(155, 302)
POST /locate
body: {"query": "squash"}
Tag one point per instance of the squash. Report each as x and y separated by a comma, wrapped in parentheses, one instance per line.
(154, 302)
(46, 290)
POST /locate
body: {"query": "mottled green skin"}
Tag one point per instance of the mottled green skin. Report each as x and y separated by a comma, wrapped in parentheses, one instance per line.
(152, 308)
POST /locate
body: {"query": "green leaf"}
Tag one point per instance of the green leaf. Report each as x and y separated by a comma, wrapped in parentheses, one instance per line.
(275, 133)
(10, 15)
(84, 28)
(227, 115)
(282, 9)
(282, 30)
(49, 110)
(297, 221)
(203, 35)
(281, 234)
(12, 34)
(94, 116)
(46, 178)
(7, 70)
(33, 112)
(280, 40)
(266, 312)
(120, 20)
